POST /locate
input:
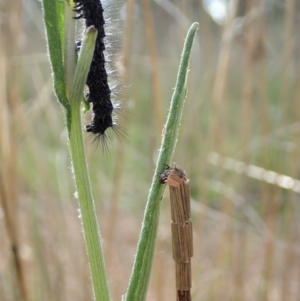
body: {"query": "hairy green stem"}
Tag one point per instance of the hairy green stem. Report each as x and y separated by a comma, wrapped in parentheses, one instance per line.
(70, 97)
(86, 203)
(140, 276)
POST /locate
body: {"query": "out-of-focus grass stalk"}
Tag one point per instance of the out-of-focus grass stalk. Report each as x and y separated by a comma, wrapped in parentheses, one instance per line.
(139, 280)
(287, 57)
(12, 231)
(245, 136)
(119, 157)
(220, 91)
(290, 116)
(292, 264)
(217, 138)
(53, 22)
(151, 43)
(11, 100)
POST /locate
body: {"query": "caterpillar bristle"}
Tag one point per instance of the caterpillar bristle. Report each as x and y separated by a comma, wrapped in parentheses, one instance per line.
(99, 91)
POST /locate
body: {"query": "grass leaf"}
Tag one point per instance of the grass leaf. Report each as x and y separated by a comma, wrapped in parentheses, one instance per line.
(140, 276)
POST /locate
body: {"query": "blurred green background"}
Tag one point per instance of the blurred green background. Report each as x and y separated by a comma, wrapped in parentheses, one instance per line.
(238, 143)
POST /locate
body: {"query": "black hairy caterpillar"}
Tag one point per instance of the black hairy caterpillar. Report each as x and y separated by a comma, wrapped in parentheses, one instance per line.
(97, 81)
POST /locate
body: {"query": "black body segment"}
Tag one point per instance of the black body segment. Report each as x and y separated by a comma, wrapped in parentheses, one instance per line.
(99, 92)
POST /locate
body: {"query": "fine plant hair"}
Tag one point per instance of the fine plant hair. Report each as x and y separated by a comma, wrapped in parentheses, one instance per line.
(102, 82)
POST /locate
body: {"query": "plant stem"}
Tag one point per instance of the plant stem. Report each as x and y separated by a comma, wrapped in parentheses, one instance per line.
(87, 209)
(140, 276)
(86, 203)
(56, 29)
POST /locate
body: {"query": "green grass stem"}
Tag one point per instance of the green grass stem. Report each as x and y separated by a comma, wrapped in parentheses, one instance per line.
(86, 203)
(62, 66)
(140, 276)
